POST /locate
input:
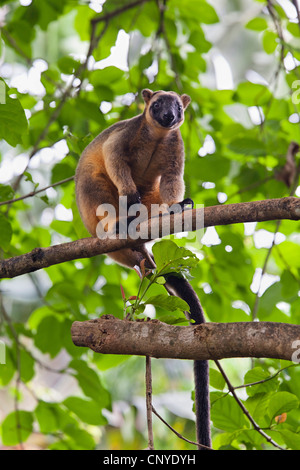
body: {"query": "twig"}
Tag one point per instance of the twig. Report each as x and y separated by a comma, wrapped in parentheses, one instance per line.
(295, 3)
(149, 403)
(271, 377)
(36, 191)
(263, 272)
(244, 409)
(118, 11)
(177, 433)
(292, 183)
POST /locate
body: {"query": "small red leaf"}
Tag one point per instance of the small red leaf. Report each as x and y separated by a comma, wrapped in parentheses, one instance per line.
(122, 292)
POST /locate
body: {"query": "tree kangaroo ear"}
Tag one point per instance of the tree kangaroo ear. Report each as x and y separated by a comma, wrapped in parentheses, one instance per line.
(147, 94)
(185, 100)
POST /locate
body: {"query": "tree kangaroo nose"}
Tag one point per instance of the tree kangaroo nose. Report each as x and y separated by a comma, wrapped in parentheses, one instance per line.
(168, 117)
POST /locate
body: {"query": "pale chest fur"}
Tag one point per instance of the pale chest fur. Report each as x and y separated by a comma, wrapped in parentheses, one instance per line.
(148, 155)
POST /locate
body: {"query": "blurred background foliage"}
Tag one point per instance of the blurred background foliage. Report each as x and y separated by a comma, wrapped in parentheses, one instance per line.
(68, 70)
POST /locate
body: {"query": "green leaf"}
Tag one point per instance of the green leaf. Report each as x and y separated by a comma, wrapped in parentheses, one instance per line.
(7, 370)
(257, 374)
(197, 39)
(6, 192)
(168, 302)
(28, 177)
(106, 76)
(216, 379)
(258, 408)
(67, 65)
(13, 122)
(49, 10)
(16, 427)
(270, 41)
(293, 28)
(61, 171)
(91, 110)
(291, 439)
(289, 285)
(252, 94)
(171, 258)
(82, 21)
(201, 10)
(290, 252)
(80, 438)
(268, 301)
(49, 335)
(87, 411)
(210, 168)
(257, 24)
(47, 417)
(282, 402)
(27, 366)
(227, 415)
(247, 147)
(5, 232)
(90, 383)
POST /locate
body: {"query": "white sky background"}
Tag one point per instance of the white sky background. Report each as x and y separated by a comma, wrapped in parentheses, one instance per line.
(30, 82)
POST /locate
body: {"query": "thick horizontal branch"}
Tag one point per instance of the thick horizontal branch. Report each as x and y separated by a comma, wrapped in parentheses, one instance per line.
(256, 211)
(201, 342)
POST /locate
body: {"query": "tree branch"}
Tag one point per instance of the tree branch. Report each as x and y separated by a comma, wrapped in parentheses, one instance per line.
(256, 211)
(36, 191)
(202, 342)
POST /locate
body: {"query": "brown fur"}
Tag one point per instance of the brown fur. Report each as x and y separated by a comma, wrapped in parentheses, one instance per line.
(135, 157)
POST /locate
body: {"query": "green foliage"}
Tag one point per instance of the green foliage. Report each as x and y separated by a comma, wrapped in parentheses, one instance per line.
(236, 141)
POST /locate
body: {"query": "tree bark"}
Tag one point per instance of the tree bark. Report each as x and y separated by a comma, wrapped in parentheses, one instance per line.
(256, 211)
(109, 335)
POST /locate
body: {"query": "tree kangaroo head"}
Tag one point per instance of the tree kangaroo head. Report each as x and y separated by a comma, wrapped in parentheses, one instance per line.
(165, 109)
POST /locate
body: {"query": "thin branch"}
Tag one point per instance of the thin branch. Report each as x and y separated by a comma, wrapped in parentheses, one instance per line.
(291, 172)
(149, 403)
(263, 272)
(177, 433)
(244, 409)
(118, 11)
(36, 191)
(271, 377)
(53, 117)
(295, 3)
(27, 59)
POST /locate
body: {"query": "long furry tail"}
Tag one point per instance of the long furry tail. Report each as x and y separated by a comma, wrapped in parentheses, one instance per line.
(177, 285)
